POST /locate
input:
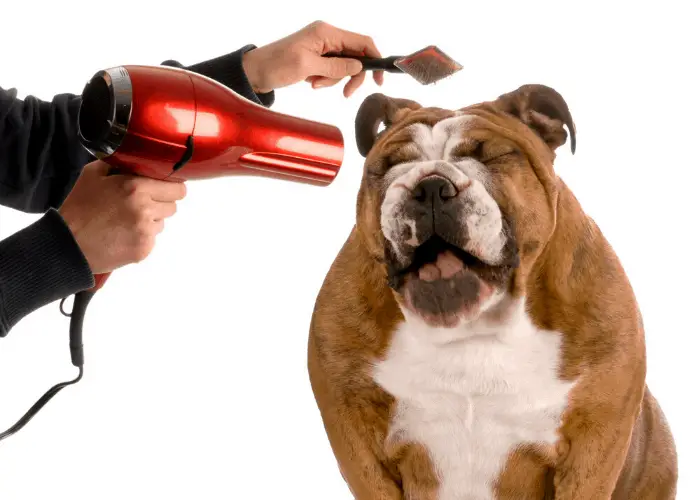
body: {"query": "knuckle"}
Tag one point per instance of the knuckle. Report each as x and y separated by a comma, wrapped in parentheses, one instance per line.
(144, 226)
(132, 186)
(142, 252)
(323, 29)
(137, 201)
(352, 67)
(318, 25)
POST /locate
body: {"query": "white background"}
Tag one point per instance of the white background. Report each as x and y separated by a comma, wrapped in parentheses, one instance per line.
(196, 382)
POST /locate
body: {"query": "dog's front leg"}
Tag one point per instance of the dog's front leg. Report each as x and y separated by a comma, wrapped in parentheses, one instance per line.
(355, 442)
(597, 429)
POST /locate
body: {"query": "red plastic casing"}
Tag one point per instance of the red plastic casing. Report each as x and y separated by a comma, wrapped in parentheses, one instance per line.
(231, 135)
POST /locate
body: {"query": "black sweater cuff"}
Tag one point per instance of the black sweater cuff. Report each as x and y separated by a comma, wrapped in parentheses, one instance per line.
(38, 265)
(228, 70)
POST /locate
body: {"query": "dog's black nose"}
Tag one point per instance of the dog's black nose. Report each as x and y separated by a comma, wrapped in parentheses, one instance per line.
(434, 190)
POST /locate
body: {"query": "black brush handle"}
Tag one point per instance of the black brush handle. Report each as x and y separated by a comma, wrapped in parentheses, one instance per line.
(372, 63)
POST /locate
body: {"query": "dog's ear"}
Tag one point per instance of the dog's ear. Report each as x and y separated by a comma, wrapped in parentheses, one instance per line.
(544, 110)
(375, 110)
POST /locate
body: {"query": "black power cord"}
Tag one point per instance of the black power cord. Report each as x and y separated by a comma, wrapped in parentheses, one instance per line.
(77, 316)
(39, 405)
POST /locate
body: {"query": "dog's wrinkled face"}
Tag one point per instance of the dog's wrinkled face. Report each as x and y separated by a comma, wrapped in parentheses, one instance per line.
(450, 246)
(456, 200)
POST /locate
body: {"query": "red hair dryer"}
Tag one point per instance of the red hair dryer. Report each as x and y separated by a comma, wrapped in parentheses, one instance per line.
(172, 124)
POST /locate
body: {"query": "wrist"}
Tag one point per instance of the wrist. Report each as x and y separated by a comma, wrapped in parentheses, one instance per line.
(73, 222)
(254, 72)
(74, 226)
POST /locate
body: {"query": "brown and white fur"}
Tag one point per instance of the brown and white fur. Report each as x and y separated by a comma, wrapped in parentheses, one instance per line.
(505, 361)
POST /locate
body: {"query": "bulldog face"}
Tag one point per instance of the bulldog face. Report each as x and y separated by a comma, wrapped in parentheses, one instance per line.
(458, 203)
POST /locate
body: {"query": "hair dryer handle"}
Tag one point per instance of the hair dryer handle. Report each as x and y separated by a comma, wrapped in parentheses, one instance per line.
(100, 280)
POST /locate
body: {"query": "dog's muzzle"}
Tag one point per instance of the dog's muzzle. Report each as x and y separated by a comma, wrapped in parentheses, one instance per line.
(448, 200)
(435, 209)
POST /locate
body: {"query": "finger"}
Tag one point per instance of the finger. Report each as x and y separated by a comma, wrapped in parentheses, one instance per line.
(98, 167)
(318, 82)
(379, 77)
(168, 191)
(335, 67)
(354, 83)
(158, 226)
(348, 41)
(351, 43)
(315, 78)
(323, 82)
(164, 191)
(104, 169)
(164, 210)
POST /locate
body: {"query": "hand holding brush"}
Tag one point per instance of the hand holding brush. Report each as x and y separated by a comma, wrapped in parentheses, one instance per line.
(323, 55)
(300, 57)
(426, 66)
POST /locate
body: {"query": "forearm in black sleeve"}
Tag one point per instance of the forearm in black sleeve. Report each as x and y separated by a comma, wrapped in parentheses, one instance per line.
(38, 265)
(40, 155)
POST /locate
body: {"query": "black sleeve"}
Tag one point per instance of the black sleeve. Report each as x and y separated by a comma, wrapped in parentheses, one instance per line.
(228, 70)
(40, 160)
(38, 265)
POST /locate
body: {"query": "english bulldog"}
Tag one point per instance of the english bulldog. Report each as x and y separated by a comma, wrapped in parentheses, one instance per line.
(477, 337)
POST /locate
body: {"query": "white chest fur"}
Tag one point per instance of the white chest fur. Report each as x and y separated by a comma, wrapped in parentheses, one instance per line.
(470, 402)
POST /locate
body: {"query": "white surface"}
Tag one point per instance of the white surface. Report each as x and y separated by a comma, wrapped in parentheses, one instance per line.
(471, 403)
(196, 383)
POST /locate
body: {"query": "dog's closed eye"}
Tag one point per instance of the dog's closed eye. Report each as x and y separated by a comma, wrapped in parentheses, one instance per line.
(485, 151)
(497, 150)
(402, 153)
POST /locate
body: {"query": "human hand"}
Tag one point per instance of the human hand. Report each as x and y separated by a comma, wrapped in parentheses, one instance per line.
(298, 57)
(115, 218)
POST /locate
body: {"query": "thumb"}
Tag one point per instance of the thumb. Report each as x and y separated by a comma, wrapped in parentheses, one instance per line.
(100, 168)
(97, 168)
(337, 67)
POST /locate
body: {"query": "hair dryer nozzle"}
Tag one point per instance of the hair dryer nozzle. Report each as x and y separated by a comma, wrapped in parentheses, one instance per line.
(105, 111)
(293, 149)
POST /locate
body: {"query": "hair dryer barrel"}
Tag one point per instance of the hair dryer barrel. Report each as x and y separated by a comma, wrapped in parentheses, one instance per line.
(169, 123)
